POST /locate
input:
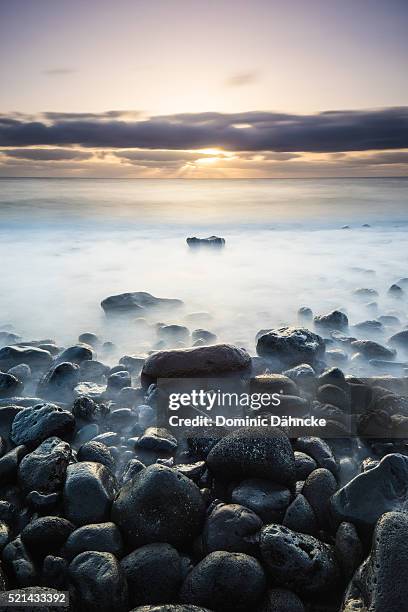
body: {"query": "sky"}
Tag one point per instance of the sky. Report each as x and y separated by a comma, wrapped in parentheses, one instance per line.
(203, 89)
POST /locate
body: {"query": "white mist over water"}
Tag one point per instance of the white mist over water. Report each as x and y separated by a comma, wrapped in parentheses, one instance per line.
(67, 244)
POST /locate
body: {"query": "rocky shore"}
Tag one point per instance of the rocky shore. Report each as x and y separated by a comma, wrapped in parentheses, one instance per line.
(98, 499)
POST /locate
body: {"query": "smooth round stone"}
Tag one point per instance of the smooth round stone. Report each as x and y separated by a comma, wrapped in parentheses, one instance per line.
(97, 452)
(103, 537)
(267, 499)
(304, 465)
(318, 489)
(233, 528)
(282, 600)
(157, 439)
(46, 535)
(44, 469)
(300, 516)
(33, 425)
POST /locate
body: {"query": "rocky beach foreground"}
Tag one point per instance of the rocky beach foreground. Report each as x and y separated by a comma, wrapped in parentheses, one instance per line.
(97, 498)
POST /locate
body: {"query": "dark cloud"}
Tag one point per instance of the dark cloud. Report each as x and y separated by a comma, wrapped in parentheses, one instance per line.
(331, 131)
(243, 78)
(47, 154)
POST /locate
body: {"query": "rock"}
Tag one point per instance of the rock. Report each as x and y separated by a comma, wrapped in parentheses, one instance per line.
(173, 333)
(300, 516)
(22, 372)
(267, 499)
(319, 486)
(304, 466)
(9, 385)
(203, 361)
(102, 537)
(231, 527)
(330, 394)
(46, 535)
(303, 375)
(92, 371)
(58, 383)
(89, 338)
(19, 564)
(43, 502)
(88, 493)
(33, 425)
(395, 291)
(159, 505)
(136, 303)
(86, 433)
(336, 356)
(273, 383)
(98, 453)
(333, 320)
(211, 241)
(365, 293)
(133, 467)
(100, 582)
(153, 574)
(400, 340)
(132, 363)
(349, 550)
(319, 450)
(381, 583)
(371, 326)
(157, 439)
(305, 314)
(85, 408)
(203, 334)
(9, 464)
(170, 608)
(369, 495)
(373, 350)
(75, 354)
(298, 561)
(254, 453)
(225, 582)
(281, 600)
(117, 381)
(55, 573)
(35, 358)
(44, 469)
(291, 346)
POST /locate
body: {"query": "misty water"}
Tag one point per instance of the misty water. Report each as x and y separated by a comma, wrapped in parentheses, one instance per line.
(65, 244)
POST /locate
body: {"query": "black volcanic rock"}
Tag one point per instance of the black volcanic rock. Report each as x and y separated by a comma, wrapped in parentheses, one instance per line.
(36, 358)
(44, 469)
(267, 499)
(136, 303)
(211, 241)
(159, 505)
(231, 527)
(291, 346)
(333, 320)
(33, 425)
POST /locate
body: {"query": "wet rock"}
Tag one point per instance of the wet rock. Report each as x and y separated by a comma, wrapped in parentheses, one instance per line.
(333, 320)
(365, 293)
(371, 327)
(153, 574)
(173, 333)
(300, 516)
(304, 465)
(9, 464)
(319, 486)
(58, 383)
(22, 372)
(75, 354)
(330, 394)
(102, 537)
(93, 371)
(88, 493)
(9, 385)
(273, 383)
(373, 350)
(133, 467)
(298, 561)
(336, 356)
(136, 303)
(319, 450)
(291, 346)
(85, 408)
(254, 453)
(267, 499)
(55, 573)
(381, 583)
(98, 453)
(44, 469)
(223, 581)
(369, 495)
(195, 471)
(399, 340)
(33, 425)
(117, 381)
(211, 241)
(281, 600)
(46, 535)
(395, 291)
(43, 502)
(202, 361)
(203, 334)
(159, 505)
(231, 527)
(305, 314)
(19, 564)
(349, 549)
(100, 582)
(89, 338)
(304, 376)
(35, 358)
(157, 439)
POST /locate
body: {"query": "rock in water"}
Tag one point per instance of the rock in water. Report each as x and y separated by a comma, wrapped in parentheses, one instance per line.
(9, 385)
(333, 320)
(159, 505)
(298, 561)
(291, 346)
(381, 583)
(36, 358)
(33, 425)
(225, 582)
(211, 241)
(254, 453)
(202, 361)
(100, 582)
(369, 495)
(136, 303)
(45, 468)
(88, 493)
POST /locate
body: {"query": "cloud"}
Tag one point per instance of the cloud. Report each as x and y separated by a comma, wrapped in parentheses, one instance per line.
(327, 132)
(47, 154)
(59, 71)
(243, 78)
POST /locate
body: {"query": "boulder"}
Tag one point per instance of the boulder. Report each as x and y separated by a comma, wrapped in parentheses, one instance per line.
(46, 535)
(35, 358)
(267, 499)
(333, 320)
(103, 537)
(33, 425)
(75, 354)
(44, 469)
(202, 361)
(9, 385)
(211, 241)
(231, 527)
(372, 350)
(291, 346)
(159, 505)
(58, 383)
(254, 453)
(136, 303)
